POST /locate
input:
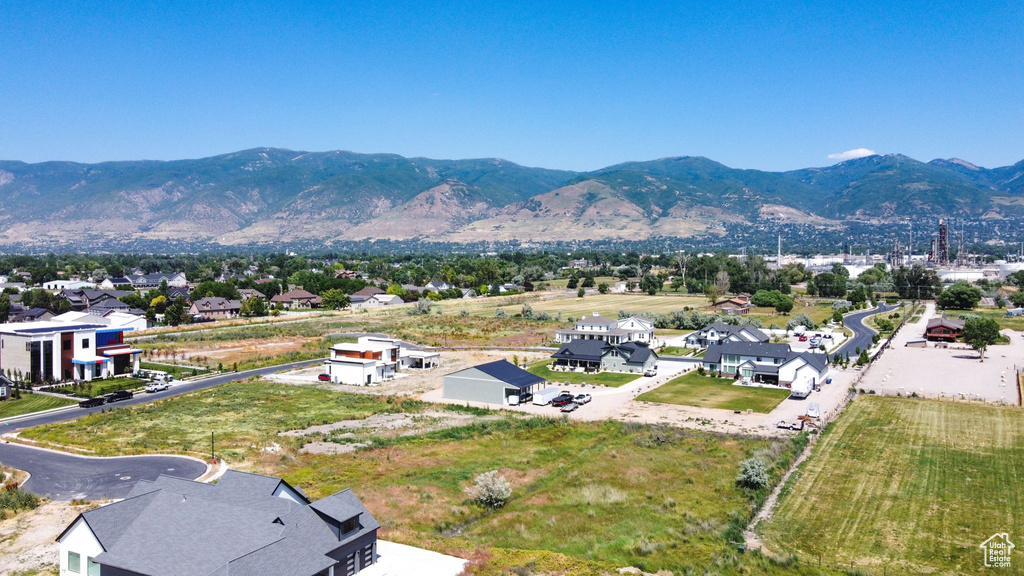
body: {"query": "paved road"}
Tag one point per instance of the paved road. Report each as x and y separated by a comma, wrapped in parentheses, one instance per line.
(178, 388)
(862, 335)
(66, 477)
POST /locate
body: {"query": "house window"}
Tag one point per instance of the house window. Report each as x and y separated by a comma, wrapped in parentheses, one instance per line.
(349, 525)
(67, 345)
(85, 342)
(93, 567)
(74, 562)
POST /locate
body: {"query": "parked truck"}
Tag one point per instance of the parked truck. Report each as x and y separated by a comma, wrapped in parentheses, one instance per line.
(544, 396)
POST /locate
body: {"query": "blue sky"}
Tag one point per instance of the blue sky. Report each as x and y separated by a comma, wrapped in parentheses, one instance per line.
(768, 85)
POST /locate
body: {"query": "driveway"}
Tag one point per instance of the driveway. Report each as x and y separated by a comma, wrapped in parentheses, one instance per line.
(62, 476)
(28, 421)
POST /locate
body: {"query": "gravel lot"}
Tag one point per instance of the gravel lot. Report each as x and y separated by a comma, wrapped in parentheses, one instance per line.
(953, 372)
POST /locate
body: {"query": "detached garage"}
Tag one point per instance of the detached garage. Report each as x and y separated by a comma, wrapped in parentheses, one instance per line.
(493, 383)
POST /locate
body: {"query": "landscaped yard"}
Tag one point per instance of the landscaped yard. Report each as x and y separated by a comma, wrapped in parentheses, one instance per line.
(31, 403)
(177, 371)
(100, 387)
(613, 379)
(913, 484)
(709, 392)
(587, 497)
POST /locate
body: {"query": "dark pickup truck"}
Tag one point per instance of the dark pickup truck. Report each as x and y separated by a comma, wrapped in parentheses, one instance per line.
(118, 395)
(92, 402)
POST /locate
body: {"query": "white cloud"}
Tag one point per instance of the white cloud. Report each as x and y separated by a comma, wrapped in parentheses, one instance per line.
(851, 154)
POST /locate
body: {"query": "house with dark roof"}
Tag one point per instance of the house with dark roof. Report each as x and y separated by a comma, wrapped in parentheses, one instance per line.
(297, 299)
(944, 329)
(31, 315)
(603, 356)
(85, 298)
(493, 383)
(766, 363)
(6, 387)
(597, 327)
(247, 293)
(719, 332)
(215, 308)
(244, 525)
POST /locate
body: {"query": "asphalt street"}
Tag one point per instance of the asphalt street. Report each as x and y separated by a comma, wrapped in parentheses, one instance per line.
(862, 335)
(176, 389)
(64, 476)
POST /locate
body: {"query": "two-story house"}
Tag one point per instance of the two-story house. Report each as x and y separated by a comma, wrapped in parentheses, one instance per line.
(245, 524)
(362, 363)
(603, 356)
(766, 363)
(597, 327)
(53, 351)
(719, 332)
(944, 329)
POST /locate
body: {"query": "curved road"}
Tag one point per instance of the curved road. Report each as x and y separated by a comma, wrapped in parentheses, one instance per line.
(63, 476)
(862, 335)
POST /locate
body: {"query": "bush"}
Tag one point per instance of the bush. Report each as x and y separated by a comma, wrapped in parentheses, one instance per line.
(14, 499)
(753, 474)
(421, 308)
(500, 313)
(490, 489)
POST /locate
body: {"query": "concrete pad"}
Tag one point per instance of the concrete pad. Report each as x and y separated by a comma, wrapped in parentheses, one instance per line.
(400, 560)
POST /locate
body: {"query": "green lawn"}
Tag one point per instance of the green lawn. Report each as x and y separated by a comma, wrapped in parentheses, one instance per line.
(613, 379)
(675, 351)
(31, 403)
(1014, 323)
(101, 387)
(913, 484)
(709, 392)
(177, 371)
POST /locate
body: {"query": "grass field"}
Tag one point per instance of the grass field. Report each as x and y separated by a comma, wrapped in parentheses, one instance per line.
(914, 484)
(587, 497)
(177, 371)
(819, 313)
(31, 403)
(612, 379)
(608, 305)
(708, 392)
(1014, 323)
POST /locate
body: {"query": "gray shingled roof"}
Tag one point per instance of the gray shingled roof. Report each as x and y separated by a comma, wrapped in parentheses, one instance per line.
(171, 526)
(594, 350)
(595, 321)
(714, 353)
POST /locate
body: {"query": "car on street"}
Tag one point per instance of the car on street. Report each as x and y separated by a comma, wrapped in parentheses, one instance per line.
(814, 410)
(324, 377)
(91, 402)
(118, 395)
(570, 407)
(157, 386)
(562, 399)
(582, 399)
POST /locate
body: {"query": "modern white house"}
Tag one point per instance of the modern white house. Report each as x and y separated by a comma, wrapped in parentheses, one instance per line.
(245, 524)
(52, 351)
(597, 327)
(410, 356)
(767, 363)
(719, 332)
(362, 363)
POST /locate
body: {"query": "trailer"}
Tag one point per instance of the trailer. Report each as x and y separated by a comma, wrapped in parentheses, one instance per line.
(802, 387)
(544, 396)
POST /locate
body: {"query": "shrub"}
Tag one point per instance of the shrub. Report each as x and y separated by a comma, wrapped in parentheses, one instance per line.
(500, 313)
(753, 474)
(490, 489)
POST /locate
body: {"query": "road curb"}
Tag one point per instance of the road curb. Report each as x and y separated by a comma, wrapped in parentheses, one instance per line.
(34, 414)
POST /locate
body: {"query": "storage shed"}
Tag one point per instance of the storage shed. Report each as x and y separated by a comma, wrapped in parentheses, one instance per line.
(493, 383)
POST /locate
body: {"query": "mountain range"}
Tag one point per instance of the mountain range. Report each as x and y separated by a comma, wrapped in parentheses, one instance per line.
(271, 196)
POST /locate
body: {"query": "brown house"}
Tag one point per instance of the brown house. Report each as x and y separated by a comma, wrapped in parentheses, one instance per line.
(944, 329)
(297, 299)
(214, 307)
(738, 305)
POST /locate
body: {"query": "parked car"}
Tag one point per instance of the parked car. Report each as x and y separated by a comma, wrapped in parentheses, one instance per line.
(525, 397)
(814, 410)
(91, 402)
(157, 386)
(118, 395)
(582, 399)
(571, 406)
(562, 399)
(651, 373)
(324, 377)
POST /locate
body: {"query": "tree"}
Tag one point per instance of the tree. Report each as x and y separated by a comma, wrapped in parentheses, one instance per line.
(677, 283)
(980, 333)
(573, 283)
(722, 281)
(916, 282)
(253, 307)
(5, 307)
(176, 313)
(650, 284)
(830, 285)
(1017, 298)
(711, 292)
(335, 299)
(588, 281)
(581, 292)
(602, 287)
(784, 305)
(490, 489)
(959, 296)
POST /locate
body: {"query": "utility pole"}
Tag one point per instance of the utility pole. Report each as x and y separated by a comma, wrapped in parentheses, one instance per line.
(213, 452)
